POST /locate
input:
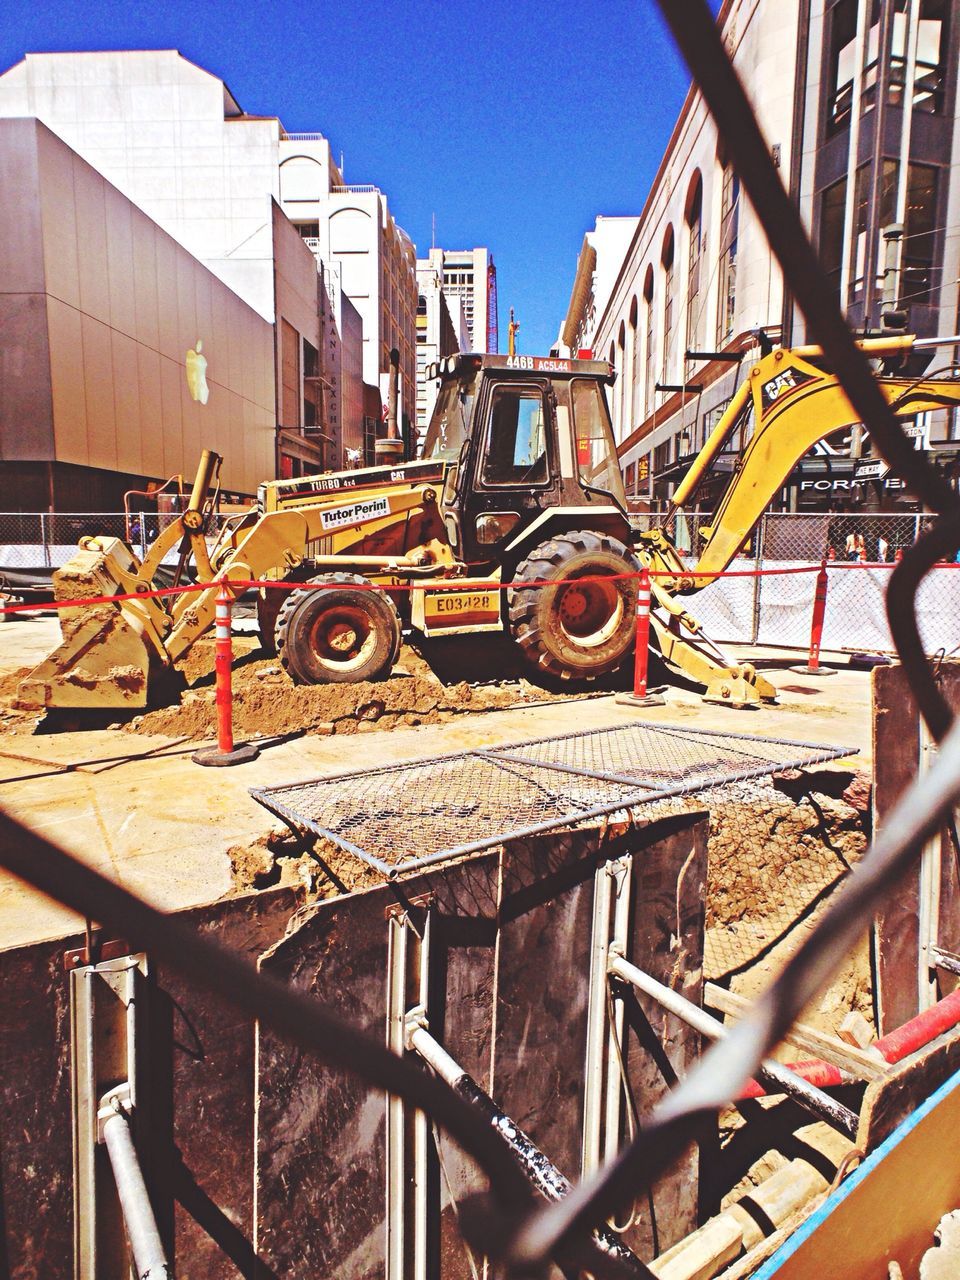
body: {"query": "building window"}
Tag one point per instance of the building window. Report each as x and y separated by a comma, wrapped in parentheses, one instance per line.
(635, 376)
(930, 71)
(729, 238)
(695, 252)
(843, 39)
(661, 457)
(622, 399)
(916, 282)
(649, 366)
(831, 230)
(309, 230)
(928, 82)
(667, 262)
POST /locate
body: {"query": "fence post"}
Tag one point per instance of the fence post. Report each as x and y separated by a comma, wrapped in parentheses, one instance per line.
(760, 538)
(813, 667)
(225, 753)
(641, 696)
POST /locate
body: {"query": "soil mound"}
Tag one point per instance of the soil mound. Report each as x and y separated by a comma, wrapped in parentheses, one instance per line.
(266, 702)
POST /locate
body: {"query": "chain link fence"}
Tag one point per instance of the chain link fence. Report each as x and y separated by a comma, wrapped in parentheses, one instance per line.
(34, 543)
(776, 609)
(773, 610)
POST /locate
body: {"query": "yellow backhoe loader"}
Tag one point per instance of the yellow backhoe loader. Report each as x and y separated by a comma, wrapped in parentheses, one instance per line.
(519, 484)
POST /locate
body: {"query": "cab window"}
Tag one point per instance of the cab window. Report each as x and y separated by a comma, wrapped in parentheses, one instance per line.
(596, 451)
(517, 441)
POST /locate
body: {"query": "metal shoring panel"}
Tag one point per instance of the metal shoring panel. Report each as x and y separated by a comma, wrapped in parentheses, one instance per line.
(622, 875)
(408, 962)
(928, 923)
(104, 1018)
(397, 785)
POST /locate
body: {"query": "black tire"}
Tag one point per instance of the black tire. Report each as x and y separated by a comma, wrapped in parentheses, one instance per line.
(338, 635)
(575, 633)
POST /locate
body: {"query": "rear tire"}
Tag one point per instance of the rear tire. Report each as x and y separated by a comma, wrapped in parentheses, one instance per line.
(338, 635)
(571, 631)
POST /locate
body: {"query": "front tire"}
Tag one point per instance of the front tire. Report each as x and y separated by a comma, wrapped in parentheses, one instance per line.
(575, 631)
(341, 634)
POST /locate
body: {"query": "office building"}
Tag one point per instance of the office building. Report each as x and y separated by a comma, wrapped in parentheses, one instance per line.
(857, 99)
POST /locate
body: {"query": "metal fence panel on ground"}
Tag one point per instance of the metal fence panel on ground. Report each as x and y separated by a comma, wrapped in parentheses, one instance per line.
(412, 815)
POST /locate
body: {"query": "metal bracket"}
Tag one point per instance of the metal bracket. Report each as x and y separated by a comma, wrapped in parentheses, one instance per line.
(79, 957)
(118, 1102)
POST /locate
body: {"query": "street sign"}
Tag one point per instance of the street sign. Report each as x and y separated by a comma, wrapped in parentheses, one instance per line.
(870, 469)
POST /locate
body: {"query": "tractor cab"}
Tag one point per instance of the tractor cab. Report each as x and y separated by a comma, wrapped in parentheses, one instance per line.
(528, 444)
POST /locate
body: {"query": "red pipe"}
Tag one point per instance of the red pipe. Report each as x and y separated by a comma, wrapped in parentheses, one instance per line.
(896, 1046)
(926, 1026)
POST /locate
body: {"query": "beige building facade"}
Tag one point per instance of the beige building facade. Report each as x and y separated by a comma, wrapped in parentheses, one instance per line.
(370, 259)
(857, 101)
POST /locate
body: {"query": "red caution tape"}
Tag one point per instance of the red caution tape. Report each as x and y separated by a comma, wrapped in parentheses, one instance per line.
(435, 583)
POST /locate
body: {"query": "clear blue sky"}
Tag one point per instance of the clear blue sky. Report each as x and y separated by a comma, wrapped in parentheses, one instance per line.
(515, 124)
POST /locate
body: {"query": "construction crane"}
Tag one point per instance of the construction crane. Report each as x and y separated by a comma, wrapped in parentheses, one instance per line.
(493, 327)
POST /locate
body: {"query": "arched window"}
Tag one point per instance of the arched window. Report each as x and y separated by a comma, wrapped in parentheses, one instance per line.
(649, 367)
(633, 343)
(666, 261)
(621, 398)
(301, 180)
(694, 218)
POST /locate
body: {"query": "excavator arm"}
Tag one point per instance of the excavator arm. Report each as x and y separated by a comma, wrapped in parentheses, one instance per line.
(791, 403)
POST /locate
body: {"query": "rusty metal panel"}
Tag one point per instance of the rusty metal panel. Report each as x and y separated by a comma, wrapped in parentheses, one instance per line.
(197, 1108)
(35, 1125)
(666, 941)
(205, 1100)
(543, 988)
(896, 930)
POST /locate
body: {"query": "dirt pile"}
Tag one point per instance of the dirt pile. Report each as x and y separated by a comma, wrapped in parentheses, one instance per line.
(267, 703)
(777, 852)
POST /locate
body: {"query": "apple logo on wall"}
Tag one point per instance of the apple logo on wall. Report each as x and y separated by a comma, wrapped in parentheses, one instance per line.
(197, 374)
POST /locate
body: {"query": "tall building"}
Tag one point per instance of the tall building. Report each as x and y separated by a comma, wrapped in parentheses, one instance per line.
(351, 231)
(441, 331)
(468, 274)
(173, 138)
(858, 101)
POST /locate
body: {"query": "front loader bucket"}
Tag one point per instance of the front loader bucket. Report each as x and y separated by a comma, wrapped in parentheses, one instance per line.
(106, 650)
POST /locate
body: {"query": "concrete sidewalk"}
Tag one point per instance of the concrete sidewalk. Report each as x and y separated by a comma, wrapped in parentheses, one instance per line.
(139, 810)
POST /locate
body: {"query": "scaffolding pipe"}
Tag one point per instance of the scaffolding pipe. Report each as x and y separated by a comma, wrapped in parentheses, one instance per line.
(145, 1243)
(784, 1080)
(542, 1174)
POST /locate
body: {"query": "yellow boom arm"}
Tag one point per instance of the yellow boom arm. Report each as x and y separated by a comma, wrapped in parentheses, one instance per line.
(795, 404)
